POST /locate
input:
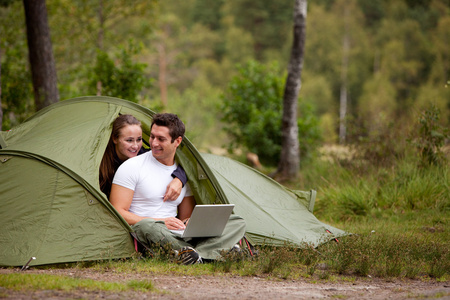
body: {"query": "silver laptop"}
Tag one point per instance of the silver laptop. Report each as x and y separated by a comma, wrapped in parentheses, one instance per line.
(206, 221)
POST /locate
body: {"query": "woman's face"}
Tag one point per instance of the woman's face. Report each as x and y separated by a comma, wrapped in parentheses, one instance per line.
(129, 142)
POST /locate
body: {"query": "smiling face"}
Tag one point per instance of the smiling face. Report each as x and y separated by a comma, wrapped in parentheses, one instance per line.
(163, 149)
(129, 142)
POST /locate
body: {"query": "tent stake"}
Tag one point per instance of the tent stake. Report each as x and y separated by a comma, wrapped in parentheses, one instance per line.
(26, 265)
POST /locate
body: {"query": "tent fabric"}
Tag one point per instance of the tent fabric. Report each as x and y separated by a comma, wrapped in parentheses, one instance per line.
(273, 214)
(53, 209)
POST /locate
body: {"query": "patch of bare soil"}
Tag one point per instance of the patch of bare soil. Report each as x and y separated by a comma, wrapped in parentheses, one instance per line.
(228, 287)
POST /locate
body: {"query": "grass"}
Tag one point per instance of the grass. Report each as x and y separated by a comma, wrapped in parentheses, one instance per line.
(382, 192)
(23, 282)
(383, 249)
(400, 214)
(399, 217)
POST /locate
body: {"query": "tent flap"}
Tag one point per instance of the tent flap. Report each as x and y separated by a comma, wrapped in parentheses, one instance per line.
(2, 142)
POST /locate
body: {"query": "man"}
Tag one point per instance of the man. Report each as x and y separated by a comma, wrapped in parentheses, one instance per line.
(138, 189)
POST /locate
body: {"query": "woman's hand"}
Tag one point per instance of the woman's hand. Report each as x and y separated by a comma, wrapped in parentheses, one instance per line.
(173, 190)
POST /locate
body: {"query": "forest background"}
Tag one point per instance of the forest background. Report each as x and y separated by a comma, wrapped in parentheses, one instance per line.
(370, 67)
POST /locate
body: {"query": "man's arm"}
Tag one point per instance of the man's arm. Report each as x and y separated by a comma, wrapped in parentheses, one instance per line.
(121, 198)
(185, 208)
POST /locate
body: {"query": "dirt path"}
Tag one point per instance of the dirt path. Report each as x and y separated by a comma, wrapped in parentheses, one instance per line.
(227, 287)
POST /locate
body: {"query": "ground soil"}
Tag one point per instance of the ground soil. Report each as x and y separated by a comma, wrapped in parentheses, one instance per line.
(228, 287)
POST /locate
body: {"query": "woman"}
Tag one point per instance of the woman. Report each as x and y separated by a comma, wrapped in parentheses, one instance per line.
(126, 142)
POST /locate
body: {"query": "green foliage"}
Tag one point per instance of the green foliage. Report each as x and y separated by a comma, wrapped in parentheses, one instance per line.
(203, 129)
(377, 105)
(375, 144)
(5, 3)
(398, 56)
(207, 13)
(430, 137)
(404, 60)
(17, 98)
(268, 22)
(310, 134)
(252, 108)
(373, 11)
(123, 80)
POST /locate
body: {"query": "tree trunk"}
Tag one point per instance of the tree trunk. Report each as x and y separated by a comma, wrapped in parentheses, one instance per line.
(290, 153)
(1, 110)
(162, 75)
(100, 35)
(344, 95)
(41, 54)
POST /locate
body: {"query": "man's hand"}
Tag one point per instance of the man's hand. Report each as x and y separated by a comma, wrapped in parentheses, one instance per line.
(174, 223)
(173, 190)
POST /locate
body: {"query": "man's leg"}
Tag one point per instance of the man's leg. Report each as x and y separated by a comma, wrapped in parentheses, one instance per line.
(151, 232)
(211, 248)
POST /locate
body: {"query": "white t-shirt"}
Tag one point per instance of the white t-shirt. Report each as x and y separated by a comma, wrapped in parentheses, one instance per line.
(148, 178)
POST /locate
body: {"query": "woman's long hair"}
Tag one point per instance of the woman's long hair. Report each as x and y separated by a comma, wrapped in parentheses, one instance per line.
(107, 169)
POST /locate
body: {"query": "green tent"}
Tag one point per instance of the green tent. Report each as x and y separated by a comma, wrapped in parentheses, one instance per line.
(53, 210)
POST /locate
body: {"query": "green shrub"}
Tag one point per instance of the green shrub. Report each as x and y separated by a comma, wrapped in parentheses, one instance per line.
(430, 137)
(16, 90)
(124, 79)
(252, 109)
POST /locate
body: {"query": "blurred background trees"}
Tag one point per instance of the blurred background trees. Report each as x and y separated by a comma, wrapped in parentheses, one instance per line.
(384, 61)
(40, 53)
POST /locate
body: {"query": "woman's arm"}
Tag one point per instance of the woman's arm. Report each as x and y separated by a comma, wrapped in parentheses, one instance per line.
(180, 174)
(173, 190)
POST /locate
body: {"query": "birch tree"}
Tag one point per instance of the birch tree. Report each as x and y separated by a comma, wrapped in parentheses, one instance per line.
(1, 109)
(290, 154)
